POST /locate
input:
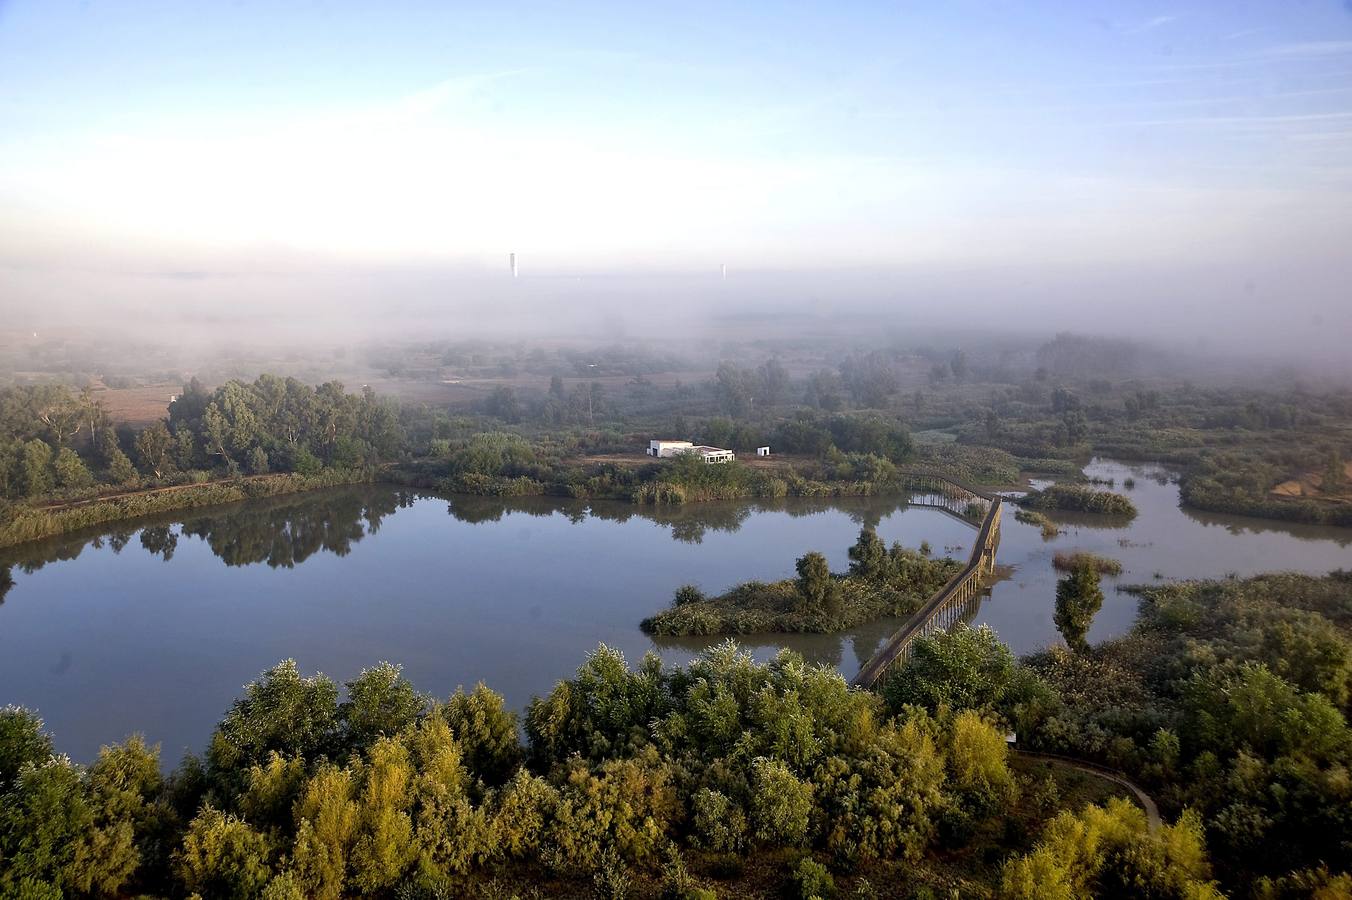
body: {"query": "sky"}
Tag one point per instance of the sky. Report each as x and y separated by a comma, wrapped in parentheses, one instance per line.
(1045, 158)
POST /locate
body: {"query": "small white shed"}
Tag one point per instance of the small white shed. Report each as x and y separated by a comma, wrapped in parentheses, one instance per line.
(762, 451)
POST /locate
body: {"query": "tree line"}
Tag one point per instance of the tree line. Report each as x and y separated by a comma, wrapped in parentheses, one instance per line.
(53, 441)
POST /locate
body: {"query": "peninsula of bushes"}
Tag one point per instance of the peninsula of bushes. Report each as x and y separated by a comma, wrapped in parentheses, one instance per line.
(881, 582)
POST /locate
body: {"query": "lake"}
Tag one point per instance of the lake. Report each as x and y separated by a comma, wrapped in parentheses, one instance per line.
(155, 626)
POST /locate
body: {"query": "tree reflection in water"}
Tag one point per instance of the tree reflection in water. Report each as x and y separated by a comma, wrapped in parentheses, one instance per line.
(280, 532)
(688, 523)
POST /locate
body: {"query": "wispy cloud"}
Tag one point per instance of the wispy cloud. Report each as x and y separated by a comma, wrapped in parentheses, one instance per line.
(1149, 25)
(1253, 121)
(1310, 49)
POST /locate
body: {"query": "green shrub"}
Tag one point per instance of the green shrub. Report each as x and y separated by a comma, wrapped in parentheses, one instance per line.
(809, 880)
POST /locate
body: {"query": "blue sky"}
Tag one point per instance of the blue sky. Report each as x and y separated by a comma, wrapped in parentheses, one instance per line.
(145, 137)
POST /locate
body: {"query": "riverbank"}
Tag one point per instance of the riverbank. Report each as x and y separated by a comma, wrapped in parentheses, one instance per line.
(31, 523)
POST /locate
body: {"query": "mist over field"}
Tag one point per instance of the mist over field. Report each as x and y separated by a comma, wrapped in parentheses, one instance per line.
(1177, 176)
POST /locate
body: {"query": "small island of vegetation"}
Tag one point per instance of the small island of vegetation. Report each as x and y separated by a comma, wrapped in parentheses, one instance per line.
(881, 582)
(1101, 565)
(1075, 498)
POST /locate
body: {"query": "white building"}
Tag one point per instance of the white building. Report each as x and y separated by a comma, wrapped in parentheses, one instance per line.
(762, 451)
(664, 449)
(668, 449)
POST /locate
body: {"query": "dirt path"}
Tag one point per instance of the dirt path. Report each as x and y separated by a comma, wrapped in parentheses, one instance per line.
(1152, 812)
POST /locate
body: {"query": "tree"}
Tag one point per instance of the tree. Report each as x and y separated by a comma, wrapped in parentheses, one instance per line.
(774, 382)
(282, 711)
(22, 743)
(486, 731)
(868, 556)
(71, 472)
(816, 588)
(380, 703)
(824, 390)
(781, 803)
(153, 446)
(966, 668)
(1078, 599)
(870, 379)
(733, 386)
(120, 469)
(43, 819)
(258, 461)
(223, 857)
(35, 475)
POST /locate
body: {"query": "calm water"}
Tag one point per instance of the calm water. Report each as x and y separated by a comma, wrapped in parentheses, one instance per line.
(156, 628)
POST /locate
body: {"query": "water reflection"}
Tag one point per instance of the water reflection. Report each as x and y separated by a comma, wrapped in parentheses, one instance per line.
(280, 532)
(283, 532)
(690, 523)
(142, 627)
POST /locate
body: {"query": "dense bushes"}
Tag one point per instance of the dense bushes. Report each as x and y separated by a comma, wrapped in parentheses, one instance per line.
(1073, 498)
(1226, 700)
(1230, 698)
(1108, 852)
(301, 795)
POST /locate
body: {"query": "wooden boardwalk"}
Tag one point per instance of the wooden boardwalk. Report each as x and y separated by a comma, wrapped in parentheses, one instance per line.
(957, 600)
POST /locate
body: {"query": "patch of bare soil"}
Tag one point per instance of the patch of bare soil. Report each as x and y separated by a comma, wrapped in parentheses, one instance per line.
(138, 406)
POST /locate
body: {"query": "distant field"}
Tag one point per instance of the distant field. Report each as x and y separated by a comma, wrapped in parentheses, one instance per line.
(138, 406)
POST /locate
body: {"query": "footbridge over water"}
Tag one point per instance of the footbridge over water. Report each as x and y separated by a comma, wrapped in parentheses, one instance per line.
(956, 601)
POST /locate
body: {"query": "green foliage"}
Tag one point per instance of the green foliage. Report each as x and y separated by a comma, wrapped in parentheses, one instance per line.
(882, 804)
(687, 593)
(1108, 851)
(719, 825)
(44, 818)
(22, 743)
(1074, 498)
(818, 591)
(809, 880)
(71, 472)
(868, 556)
(1190, 703)
(781, 803)
(282, 712)
(222, 856)
(35, 478)
(898, 582)
(1033, 517)
(628, 805)
(380, 703)
(1078, 600)
(30, 523)
(120, 469)
(965, 668)
(1070, 562)
(486, 731)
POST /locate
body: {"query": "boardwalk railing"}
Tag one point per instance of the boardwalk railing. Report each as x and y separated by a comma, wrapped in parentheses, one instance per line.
(957, 600)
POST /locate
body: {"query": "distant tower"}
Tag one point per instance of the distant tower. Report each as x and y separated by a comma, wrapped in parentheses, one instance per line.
(723, 270)
(511, 259)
